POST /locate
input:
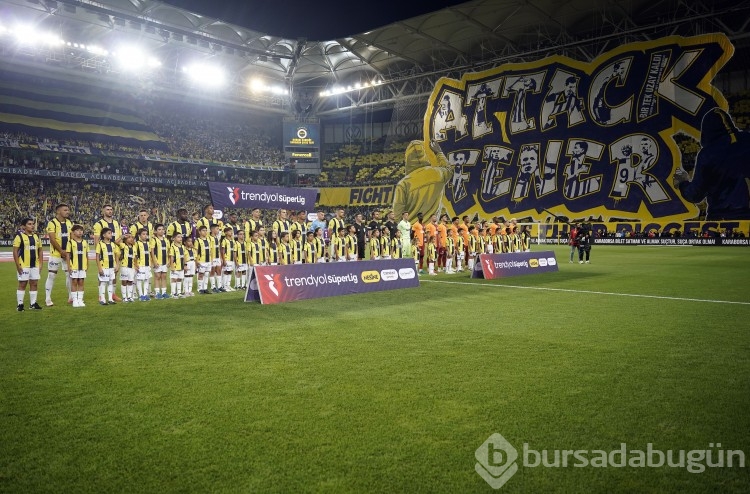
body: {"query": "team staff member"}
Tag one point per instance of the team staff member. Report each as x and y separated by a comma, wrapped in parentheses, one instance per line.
(78, 262)
(58, 231)
(27, 254)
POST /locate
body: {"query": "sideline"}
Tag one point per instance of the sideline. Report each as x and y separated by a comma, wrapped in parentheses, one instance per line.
(683, 299)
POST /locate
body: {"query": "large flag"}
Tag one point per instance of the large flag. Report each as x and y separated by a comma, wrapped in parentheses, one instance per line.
(578, 138)
(81, 113)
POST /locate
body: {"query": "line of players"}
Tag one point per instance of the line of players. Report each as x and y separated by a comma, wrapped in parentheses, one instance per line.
(452, 246)
(212, 254)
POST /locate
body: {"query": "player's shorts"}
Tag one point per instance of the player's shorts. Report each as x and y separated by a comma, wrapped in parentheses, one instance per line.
(28, 274)
(228, 267)
(108, 275)
(190, 268)
(160, 269)
(144, 273)
(321, 259)
(204, 267)
(386, 257)
(216, 262)
(178, 275)
(300, 262)
(55, 263)
(351, 257)
(241, 268)
(127, 274)
(342, 259)
(78, 274)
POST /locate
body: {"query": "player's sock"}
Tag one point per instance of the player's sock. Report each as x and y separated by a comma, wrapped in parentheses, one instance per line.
(32, 297)
(431, 268)
(80, 297)
(226, 280)
(102, 291)
(124, 291)
(184, 284)
(48, 285)
(213, 281)
(190, 284)
(19, 296)
(110, 292)
(69, 287)
(146, 287)
(139, 288)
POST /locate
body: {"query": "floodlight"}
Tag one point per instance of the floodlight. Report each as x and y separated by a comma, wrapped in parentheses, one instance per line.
(206, 75)
(131, 58)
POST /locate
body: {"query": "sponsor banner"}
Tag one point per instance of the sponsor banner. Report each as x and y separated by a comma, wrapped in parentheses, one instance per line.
(491, 266)
(110, 177)
(224, 195)
(555, 230)
(45, 146)
(357, 196)
(8, 143)
(738, 242)
(581, 139)
(277, 284)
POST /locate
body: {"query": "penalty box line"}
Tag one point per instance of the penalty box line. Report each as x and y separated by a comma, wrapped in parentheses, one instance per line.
(592, 292)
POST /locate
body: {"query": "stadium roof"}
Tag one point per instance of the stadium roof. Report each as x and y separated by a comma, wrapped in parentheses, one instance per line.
(408, 55)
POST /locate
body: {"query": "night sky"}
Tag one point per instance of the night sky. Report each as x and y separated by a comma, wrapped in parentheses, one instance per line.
(316, 20)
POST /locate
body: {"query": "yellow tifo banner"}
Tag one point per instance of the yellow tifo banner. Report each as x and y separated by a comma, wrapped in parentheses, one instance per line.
(376, 195)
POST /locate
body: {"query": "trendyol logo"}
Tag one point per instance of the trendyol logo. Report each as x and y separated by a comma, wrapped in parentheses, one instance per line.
(274, 283)
(488, 263)
(234, 194)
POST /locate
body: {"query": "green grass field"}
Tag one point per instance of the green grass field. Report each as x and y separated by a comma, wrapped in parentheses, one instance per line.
(390, 392)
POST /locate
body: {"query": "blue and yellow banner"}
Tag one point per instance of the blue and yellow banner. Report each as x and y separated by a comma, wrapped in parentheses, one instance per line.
(64, 114)
(579, 139)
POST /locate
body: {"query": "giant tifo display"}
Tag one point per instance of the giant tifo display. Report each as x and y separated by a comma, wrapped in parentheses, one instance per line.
(582, 140)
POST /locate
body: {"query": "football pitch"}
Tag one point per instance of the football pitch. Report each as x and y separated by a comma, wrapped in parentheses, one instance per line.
(392, 391)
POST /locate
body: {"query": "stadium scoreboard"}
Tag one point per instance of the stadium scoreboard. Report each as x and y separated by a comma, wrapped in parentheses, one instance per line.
(302, 145)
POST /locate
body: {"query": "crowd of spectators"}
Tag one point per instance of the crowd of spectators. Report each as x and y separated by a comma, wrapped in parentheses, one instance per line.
(24, 197)
(368, 163)
(223, 139)
(42, 160)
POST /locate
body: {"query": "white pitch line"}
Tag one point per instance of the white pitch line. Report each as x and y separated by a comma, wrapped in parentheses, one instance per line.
(684, 299)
